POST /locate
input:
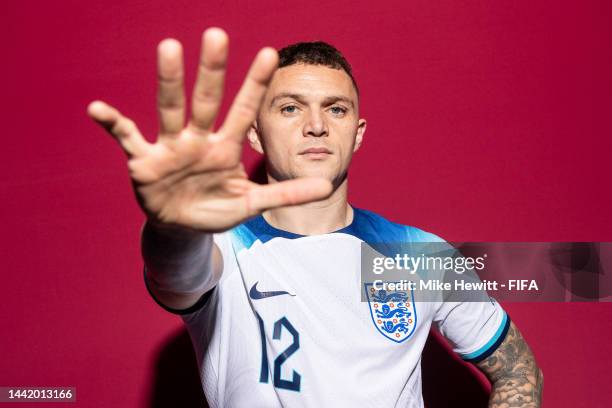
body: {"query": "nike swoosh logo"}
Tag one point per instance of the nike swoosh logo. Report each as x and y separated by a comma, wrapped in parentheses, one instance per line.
(255, 294)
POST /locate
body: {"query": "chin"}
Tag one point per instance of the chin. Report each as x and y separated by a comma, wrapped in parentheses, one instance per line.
(316, 172)
(334, 177)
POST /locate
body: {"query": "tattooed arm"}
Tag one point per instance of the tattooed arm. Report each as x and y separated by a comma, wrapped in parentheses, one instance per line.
(517, 380)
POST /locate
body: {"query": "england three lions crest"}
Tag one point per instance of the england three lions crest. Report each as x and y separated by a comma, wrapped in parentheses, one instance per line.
(392, 311)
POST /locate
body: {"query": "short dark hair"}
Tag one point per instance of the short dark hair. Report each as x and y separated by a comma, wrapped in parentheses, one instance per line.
(315, 53)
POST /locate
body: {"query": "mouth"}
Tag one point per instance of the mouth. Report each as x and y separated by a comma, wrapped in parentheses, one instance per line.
(316, 152)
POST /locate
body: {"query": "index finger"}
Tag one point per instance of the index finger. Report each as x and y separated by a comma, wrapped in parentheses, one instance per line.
(246, 105)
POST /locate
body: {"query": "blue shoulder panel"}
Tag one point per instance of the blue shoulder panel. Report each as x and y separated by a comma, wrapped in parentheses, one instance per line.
(371, 227)
(242, 237)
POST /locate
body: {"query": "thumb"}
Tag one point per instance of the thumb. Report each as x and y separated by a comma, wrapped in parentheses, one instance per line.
(285, 193)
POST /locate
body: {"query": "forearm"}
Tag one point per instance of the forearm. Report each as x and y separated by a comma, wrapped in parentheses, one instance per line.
(177, 260)
(524, 391)
(516, 378)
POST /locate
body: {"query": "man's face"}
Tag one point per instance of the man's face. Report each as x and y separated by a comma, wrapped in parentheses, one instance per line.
(309, 123)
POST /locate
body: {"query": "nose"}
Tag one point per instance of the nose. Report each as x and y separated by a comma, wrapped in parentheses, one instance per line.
(315, 125)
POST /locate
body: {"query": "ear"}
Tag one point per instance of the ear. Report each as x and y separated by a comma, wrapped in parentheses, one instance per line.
(254, 140)
(361, 128)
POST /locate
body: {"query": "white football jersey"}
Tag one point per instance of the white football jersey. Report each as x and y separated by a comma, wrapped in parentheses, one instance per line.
(286, 325)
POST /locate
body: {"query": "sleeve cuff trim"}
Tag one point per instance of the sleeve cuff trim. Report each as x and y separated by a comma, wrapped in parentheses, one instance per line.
(492, 345)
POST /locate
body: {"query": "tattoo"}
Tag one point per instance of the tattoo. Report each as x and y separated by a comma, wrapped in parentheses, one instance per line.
(512, 369)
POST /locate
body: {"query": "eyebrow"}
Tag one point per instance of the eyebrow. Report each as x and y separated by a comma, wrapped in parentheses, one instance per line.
(300, 98)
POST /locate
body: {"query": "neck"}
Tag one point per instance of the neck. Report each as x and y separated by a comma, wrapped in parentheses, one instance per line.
(319, 217)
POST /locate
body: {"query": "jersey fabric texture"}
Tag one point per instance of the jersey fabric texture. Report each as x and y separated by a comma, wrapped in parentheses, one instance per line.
(286, 325)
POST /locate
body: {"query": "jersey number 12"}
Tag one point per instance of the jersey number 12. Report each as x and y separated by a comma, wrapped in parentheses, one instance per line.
(294, 383)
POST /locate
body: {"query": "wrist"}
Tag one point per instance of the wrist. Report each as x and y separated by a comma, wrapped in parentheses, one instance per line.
(170, 244)
(173, 231)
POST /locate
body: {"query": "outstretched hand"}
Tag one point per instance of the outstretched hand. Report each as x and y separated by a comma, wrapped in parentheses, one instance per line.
(192, 176)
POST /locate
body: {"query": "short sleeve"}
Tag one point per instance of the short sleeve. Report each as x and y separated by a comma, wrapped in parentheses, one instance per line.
(474, 329)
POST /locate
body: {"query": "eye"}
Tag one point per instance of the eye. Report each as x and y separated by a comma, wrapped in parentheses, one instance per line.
(338, 110)
(289, 109)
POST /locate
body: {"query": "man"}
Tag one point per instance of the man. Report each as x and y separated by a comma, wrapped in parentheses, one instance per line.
(266, 277)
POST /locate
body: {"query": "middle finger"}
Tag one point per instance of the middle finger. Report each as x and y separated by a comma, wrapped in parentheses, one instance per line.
(208, 89)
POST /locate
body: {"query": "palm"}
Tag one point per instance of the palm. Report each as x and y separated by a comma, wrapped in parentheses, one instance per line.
(192, 176)
(192, 182)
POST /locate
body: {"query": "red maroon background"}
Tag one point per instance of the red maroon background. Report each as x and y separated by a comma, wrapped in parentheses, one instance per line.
(487, 121)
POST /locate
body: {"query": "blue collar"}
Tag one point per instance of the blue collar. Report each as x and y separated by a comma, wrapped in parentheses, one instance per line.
(265, 232)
